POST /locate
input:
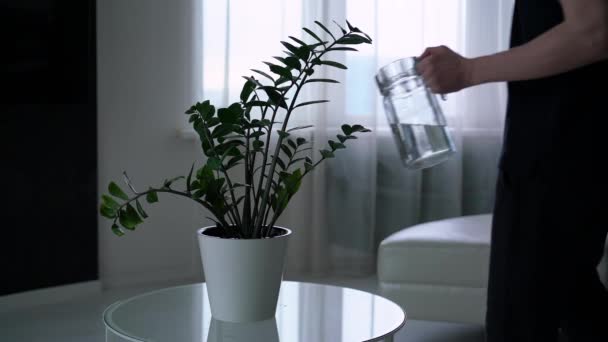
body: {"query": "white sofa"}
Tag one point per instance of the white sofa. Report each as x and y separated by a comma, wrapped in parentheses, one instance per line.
(438, 270)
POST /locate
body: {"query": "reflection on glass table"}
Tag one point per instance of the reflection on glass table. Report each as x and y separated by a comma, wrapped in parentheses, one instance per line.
(306, 312)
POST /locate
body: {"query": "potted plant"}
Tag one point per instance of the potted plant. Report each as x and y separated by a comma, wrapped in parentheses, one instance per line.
(243, 253)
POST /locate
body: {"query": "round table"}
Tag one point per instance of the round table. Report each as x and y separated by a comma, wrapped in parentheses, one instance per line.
(306, 312)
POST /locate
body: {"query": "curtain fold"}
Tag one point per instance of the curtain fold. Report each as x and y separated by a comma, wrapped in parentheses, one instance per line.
(349, 204)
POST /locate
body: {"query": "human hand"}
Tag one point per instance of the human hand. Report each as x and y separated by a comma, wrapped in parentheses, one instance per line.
(444, 71)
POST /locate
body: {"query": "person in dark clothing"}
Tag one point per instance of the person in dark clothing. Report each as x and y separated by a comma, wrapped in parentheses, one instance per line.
(549, 229)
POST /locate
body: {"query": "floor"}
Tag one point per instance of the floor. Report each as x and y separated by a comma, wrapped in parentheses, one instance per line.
(79, 319)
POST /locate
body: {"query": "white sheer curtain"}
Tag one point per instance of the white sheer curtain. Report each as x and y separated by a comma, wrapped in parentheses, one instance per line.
(346, 207)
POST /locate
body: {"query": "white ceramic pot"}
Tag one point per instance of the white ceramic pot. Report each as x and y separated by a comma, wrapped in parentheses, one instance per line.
(243, 276)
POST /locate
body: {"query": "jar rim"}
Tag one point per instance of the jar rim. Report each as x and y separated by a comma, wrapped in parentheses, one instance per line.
(395, 71)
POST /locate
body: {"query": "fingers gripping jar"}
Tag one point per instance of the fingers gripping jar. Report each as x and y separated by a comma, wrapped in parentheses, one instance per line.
(414, 115)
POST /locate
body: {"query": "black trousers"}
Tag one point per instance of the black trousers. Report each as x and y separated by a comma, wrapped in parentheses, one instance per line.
(548, 237)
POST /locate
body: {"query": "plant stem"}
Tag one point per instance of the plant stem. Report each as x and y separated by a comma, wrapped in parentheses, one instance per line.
(280, 140)
(206, 205)
(256, 211)
(278, 185)
(276, 153)
(251, 174)
(228, 181)
(247, 204)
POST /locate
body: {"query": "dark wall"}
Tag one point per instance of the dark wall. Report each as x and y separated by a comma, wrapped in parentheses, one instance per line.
(48, 143)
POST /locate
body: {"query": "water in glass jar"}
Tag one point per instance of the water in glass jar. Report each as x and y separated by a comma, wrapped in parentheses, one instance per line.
(422, 146)
(414, 115)
(421, 135)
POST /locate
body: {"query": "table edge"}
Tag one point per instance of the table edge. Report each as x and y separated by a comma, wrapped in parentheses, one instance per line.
(134, 339)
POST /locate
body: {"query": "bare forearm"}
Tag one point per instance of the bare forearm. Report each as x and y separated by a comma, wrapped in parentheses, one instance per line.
(558, 50)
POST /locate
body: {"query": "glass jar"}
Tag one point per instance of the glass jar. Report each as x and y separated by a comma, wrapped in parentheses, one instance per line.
(414, 115)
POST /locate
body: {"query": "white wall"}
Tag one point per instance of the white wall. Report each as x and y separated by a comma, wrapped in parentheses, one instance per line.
(145, 82)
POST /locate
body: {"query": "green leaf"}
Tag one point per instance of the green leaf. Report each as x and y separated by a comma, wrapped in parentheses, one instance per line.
(343, 138)
(205, 109)
(252, 79)
(309, 103)
(233, 161)
(290, 47)
(325, 29)
(281, 163)
(191, 110)
(297, 40)
(292, 182)
(256, 104)
(214, 121)
(316, 45)
(256, 134)
(286, 150)
(199, 193)
(231, 115)
(331, 63)
(340, 27)
(327, 154)
(116, 191)
(189, 178)
(110, 202)
(309, 71)
(116, 230)
(195, 185)
(347, 129)
(133, 214)
(279, 70)
(292, 144)
(324, 80)
(152, 197)
(248, 88)
(353, 39)
(221, 130)
(308, 167)
(258, 144)
(107, 212)
(350, 27)
(299, 128)
(140, 209)
(129, 218)
(193, 118)
(293, 63)
(335, 145)
(312, 34)
(214, 163)
(275, 97)
(280, 81)
(308, 160)
(205, 177)
(280, 59)
(282, 134)
(303, 52)
(301, 141)
(342, 48)
(359, 128)
(263, 74)
(126, 221)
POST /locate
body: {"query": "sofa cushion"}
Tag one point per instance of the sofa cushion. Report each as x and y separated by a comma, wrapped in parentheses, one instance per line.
(452, 251)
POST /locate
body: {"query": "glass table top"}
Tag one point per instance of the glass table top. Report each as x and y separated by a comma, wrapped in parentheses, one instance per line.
(305, 312)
